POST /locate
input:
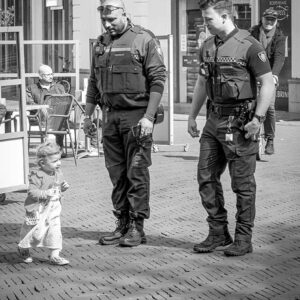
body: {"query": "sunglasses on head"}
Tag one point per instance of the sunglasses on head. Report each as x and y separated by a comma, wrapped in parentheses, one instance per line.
(108, 9)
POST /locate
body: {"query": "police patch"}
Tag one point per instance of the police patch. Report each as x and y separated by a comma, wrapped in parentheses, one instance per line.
(262, 56)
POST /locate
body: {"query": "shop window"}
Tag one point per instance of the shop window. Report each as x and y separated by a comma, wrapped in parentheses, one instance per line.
(242, 15)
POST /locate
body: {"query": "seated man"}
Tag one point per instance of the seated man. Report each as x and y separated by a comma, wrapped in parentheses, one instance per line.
(45, 86)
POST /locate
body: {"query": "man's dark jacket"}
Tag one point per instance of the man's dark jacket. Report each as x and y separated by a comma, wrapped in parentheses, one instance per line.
(275, 50)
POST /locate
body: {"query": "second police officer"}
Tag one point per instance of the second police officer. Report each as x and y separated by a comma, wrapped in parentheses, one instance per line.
(231, 62)
(128, 75)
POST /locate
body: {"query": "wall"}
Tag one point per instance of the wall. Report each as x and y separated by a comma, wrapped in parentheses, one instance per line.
(295, 39)
(87, 25)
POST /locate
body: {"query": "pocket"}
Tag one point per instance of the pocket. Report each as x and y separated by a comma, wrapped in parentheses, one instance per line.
(127, 79)
(229, 88)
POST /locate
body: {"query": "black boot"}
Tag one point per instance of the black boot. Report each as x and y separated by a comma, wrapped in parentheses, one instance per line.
(269, 149)
(238, 248)
(121, 229)
(135, 234)
(214, 240)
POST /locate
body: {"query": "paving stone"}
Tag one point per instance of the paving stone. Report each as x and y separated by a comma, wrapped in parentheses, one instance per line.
(166, 267)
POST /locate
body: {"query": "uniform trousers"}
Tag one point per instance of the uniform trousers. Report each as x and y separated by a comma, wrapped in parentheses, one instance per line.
(127, 159)
(240, 155)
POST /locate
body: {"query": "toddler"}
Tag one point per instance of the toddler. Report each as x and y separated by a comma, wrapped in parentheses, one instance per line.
(41, 227)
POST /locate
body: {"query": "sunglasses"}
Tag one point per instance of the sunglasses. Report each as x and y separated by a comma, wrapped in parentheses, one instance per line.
(108, 9)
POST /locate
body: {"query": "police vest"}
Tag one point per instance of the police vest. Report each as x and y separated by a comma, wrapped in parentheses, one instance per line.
(117, 69)
(228, 78)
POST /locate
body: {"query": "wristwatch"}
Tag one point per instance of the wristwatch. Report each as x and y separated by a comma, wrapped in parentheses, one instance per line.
(260, 119)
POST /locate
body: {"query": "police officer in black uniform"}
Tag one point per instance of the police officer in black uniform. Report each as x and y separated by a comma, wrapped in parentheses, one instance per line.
(231, 62)
(128, 75)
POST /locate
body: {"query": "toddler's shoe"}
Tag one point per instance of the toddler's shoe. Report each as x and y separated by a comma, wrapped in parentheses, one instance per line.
(25, 255)
(57, 260)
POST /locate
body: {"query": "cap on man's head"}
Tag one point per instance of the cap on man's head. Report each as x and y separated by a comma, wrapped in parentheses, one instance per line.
(111, 5)
(270, 13)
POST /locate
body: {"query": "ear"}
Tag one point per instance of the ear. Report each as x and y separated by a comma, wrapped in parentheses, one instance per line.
(224, 17)
(41, 163)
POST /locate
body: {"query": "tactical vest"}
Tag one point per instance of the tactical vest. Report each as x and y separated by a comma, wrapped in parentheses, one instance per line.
(228, 78)
(117, 69)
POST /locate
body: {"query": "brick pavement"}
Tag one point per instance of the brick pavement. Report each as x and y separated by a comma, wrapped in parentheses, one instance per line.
(166, 267)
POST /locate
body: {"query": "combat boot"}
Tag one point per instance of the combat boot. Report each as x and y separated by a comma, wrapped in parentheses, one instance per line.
(135, 234)
(269, 149)
(121, 229)
(213, 241)
(239, 248)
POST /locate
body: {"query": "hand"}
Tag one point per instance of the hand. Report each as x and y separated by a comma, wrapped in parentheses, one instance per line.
(192, 128)
(52, 194)
(64, 186)
(252, 129)
(146, 127)
(89, 128)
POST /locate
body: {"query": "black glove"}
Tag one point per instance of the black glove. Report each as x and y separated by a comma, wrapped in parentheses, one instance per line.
(89, 128)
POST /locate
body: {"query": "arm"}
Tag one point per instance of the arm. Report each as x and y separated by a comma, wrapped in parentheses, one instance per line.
(29, 96)
(263, 102)
(199, 98)
(156, 76)
(266, 93)
(259, 67)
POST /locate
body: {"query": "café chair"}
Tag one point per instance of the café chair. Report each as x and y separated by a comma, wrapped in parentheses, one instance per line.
(34, 119)
(56, 121)
(66, 85)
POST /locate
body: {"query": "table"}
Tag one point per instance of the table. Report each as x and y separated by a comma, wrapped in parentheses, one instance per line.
(14, 106)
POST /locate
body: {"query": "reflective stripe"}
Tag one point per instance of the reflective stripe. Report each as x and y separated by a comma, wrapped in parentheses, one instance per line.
(117, 50)
(224, 60)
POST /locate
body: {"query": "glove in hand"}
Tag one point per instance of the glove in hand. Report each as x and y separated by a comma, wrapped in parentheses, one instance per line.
(89, 128)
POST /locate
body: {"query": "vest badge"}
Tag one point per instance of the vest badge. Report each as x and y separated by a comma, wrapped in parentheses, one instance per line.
(262, 56)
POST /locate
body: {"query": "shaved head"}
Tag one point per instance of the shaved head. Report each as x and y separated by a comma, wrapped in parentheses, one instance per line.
(113, 16)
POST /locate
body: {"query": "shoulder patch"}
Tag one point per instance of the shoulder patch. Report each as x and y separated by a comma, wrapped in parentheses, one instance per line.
(262, 56)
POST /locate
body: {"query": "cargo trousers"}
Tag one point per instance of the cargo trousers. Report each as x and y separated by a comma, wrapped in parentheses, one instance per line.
(240, 155)
(127, 159)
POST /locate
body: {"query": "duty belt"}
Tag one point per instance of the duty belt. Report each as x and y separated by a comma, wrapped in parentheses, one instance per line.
(225, 111)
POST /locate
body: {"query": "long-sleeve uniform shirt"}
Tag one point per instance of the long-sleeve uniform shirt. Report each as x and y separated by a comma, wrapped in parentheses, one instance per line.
(125, 69)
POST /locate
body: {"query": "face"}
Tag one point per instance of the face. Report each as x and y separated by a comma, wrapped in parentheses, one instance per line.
(113, 20)
(46, 75)
(268, 23)
(213, 20)
(52, 163)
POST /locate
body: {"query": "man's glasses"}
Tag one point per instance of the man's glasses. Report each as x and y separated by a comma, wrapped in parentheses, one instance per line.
(46, 75)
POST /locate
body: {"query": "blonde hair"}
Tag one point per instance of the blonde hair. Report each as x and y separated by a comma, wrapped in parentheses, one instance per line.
(45, 150)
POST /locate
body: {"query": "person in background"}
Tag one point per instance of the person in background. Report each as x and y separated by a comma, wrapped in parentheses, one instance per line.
(129, 74)
(271, 37)
(42, 226)
(36, 92)
(231, 62)
(2, 112)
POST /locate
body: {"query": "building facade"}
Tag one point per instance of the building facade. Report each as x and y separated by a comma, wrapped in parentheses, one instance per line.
(80, 20)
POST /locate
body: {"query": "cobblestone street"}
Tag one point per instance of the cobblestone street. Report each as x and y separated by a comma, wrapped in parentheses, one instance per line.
(166, 267)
